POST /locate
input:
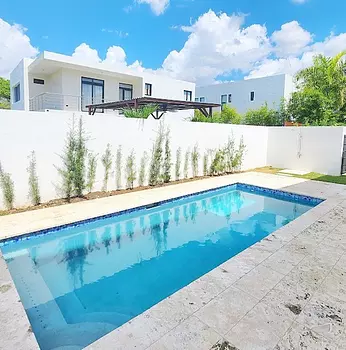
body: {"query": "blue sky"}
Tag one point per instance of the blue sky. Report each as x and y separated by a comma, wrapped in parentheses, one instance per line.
(150, 30)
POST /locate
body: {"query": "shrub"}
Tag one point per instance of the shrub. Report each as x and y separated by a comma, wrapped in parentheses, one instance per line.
(156, 160)
(80, 160)
(67, 170)
(186, 164)
(229, 154)
(178, 164)
(228, 115)
(91, 171)
(118, 160)
(218, 165)
(34, 191)
(107, 164)
(167, 165)
(205, 164)
(194, 160)
(7, 187)
(142, 173)
(239, 156)
(141, 112)
(130, 170)
(263, 116)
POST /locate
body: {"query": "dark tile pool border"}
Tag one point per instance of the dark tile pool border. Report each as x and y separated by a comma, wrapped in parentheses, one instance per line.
(278, 194)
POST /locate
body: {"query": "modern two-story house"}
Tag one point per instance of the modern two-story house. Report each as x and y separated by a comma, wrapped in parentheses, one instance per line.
(58, 82)
(249, 94)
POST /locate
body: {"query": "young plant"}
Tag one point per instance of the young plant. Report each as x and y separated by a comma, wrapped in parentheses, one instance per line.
(142, 172)
(156, 160)
(79, 177)
(107, 164)
(130, 170)
(34, 191)
(229, 154)
(218, 164)
(67, 170)
(239, 156)
(91, 171)
(186, 164)
(205, 164)
(7, 187)
(178, 164)
(167, 165)
(118, 160)
(194, 160)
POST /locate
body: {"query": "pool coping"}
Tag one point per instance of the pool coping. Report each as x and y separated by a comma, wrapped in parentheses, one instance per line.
(149, 327)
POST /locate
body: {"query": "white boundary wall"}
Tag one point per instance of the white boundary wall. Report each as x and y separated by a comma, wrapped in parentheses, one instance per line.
(22, 132)
(317, 149)
(307, 148)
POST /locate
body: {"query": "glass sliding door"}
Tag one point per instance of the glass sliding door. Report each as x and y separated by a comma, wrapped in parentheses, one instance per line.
(92, 92)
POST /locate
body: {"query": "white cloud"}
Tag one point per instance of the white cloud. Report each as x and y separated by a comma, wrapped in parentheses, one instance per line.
(157, 6)
(218, 44)
(291, 39)
(84, 53)
(14, 46)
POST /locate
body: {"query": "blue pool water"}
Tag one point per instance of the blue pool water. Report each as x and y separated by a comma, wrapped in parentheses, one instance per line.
(81, 282)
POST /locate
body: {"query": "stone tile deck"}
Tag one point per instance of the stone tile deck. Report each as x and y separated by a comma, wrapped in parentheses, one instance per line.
(287, 291)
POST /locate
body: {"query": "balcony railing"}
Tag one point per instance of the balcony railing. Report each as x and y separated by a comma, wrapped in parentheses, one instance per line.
(54, 101)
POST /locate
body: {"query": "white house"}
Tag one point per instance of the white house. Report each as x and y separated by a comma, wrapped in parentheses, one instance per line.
(250, 93)
(58, 82)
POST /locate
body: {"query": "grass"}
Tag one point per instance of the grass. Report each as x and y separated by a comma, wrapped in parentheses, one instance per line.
(309, 176)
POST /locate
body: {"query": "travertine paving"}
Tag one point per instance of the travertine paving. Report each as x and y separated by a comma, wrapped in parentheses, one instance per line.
(286, 292)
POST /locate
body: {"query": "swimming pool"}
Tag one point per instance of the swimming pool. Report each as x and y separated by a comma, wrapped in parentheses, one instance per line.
(81, 281)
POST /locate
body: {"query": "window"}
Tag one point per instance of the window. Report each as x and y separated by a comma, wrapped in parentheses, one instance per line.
(16, 93)
(187, 95)
(196, 99)
(202, 99)
(223, 100)
(252, 96)
(229, 98)
(92, 92)
(38, 81)
(148, 89)
(125, 92)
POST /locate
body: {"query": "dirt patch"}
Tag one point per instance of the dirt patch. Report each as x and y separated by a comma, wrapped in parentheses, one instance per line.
(95, 195)
(296, 309)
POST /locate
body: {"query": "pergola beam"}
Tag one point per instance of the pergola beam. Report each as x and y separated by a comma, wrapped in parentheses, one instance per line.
(163, 105)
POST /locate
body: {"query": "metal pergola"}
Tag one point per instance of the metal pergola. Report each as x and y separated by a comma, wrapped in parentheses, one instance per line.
(163, 106)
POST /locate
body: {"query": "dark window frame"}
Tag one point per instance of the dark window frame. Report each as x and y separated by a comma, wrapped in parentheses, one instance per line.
(229, 98)
(252, 96)
(92, 82)
(188, 95)
(148, 87)
(122, 90)
(16, 93)
(202, 99)
(38, 81)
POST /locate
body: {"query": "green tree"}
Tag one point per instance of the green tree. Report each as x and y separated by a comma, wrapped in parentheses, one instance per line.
(263, 116)
(321, 95)
(4, 93)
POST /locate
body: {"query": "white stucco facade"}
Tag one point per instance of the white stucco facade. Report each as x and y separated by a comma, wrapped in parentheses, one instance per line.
(270, 90)
(54, 82)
